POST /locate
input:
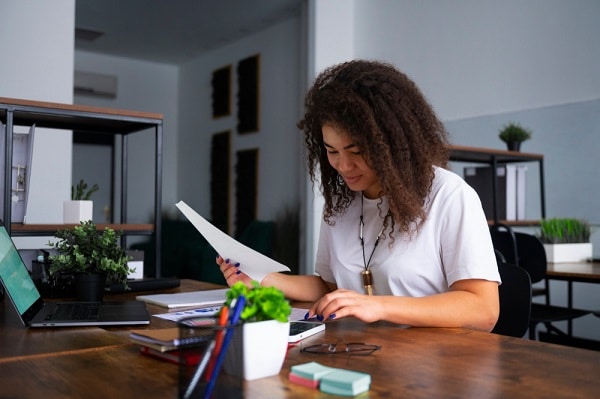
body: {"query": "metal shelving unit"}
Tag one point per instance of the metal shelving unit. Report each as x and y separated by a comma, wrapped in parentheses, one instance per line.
(84, 119)
(494, 157)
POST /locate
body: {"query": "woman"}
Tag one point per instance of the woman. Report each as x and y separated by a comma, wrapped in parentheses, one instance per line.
(402, 239)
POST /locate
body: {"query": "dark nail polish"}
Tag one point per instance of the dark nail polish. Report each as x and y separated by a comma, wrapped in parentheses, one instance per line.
(227, 261)
(332, 316)
(319, 317)
(238, 272)
(237, 264)
(306, 316)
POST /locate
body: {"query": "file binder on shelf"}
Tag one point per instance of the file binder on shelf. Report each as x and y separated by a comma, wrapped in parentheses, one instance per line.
(510, 190)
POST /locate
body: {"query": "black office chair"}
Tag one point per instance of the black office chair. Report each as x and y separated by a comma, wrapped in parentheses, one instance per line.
(527, 251)
(515, 299)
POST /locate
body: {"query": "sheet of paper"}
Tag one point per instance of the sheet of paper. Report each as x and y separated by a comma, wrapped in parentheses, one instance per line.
(253, 263)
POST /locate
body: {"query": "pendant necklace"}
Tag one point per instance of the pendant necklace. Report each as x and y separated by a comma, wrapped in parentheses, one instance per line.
(366, 275)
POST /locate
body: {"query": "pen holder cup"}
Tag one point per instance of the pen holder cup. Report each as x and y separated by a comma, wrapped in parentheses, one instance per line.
(201, 343)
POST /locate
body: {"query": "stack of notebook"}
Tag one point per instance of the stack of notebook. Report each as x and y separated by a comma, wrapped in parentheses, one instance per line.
(330, 380)
(165, 344)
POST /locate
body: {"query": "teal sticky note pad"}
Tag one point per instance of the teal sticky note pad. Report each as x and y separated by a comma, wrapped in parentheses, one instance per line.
(345, 382)
(312, 370)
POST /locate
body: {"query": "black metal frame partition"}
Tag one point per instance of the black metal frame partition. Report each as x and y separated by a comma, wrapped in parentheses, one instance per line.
(84, 119)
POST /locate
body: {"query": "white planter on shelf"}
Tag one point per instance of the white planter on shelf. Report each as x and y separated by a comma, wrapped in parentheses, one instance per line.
(564, 253)
(259, 351)
(75, 212)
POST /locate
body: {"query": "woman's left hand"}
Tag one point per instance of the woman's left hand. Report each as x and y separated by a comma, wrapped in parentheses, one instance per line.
(341, 303)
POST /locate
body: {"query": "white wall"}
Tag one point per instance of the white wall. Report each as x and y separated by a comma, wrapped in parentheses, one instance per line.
(278, 139)
(36, 40)
(477, 58)
(331, 41)
(141, 86)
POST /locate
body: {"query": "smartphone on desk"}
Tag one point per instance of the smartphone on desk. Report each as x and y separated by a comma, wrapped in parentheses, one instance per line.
(303, 329)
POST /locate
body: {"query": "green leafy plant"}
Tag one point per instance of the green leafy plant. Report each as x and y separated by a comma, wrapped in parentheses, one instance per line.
(513, 132)
(84, 249)
(564, 230)
(262, 303)
(80, 192)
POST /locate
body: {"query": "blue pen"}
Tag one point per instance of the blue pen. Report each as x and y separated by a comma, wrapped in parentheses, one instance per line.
(235, 317)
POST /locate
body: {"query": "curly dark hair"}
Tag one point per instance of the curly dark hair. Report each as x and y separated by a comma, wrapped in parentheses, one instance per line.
(393, 125)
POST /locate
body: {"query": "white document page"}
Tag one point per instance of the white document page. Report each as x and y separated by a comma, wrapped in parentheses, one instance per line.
(253, 263)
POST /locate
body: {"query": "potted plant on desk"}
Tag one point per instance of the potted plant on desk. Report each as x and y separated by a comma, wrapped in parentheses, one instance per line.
(260, 349)
(566, 240)
(92, 257)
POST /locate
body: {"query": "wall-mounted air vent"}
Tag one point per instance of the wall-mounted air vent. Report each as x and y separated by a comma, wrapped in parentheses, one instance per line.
(95, 84)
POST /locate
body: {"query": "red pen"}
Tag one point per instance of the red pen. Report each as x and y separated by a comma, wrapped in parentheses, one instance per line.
(223, 316)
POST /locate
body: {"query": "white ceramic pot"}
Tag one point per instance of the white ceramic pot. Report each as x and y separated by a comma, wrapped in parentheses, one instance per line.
(259, 351)
(75, 212)
(564, 253)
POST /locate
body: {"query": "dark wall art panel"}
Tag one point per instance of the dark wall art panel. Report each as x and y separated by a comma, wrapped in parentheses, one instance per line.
(219, 179)
(248, 95)
(246, 189)
(221, 92)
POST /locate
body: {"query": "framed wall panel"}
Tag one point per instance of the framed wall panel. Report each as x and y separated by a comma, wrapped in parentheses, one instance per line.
(221, 92)
(246, 188)
(248, 95)
(219, 179)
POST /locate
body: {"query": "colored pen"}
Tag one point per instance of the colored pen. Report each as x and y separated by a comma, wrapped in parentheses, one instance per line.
(237, 311)
(219, 341)
(200, 369)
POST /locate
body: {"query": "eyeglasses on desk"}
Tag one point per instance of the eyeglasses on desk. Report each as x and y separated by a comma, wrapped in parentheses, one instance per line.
(351, 348)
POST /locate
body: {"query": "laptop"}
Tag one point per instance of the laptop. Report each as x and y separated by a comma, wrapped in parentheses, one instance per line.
(34, 312)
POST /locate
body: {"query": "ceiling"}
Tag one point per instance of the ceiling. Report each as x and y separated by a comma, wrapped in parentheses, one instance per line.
(172, 31)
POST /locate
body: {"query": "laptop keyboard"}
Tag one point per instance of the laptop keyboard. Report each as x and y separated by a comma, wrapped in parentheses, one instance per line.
(75, 311)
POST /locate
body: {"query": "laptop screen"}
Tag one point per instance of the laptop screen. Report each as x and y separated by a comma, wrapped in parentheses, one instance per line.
(15, 276)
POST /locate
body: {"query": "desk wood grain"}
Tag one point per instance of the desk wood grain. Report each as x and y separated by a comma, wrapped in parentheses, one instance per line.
(18, 341)
(587, 272)
(413, 363)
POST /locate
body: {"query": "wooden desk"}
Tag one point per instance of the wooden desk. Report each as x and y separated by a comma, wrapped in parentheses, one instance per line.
(413, 362)
(585, 272)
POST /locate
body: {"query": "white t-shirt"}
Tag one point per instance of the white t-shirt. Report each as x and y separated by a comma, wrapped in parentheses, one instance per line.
(453, 244)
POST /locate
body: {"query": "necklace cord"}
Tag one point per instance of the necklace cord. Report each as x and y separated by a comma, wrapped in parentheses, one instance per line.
(360, 235)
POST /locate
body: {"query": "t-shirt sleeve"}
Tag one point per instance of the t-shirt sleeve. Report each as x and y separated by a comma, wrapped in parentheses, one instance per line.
(322, 263)
(467, 249)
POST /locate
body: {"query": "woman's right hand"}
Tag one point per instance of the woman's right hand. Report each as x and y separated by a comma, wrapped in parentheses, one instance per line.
(231, 272)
